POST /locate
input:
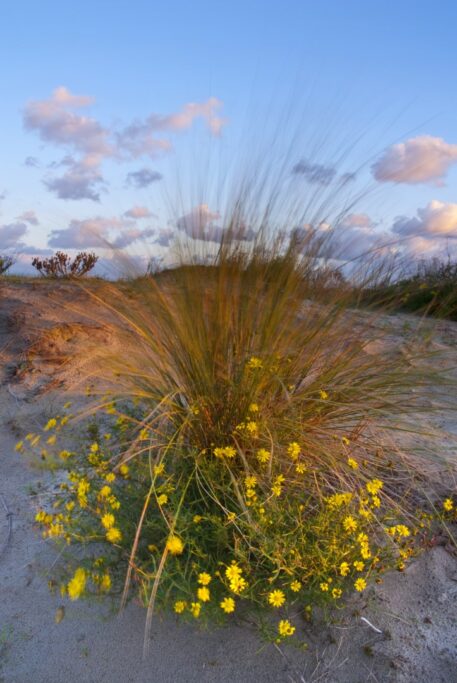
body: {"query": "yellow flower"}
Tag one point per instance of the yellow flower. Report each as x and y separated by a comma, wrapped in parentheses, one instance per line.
(360, 585)
(323, 394)
(231, 516)
(64, 455)
(50, 424)
(180, 606)
(250, 482)
(353, 463)
(19, 446)
(238, 584)
(143, 435)
(374, 486)
(253, 408)
(337, 593)
(228, 605)
(254, 363)
(204, 579)
(94, 447)
(104, 492)
(263, 456)
(359, 565)
(344, 569)
(285, 628)
(195, 608)
(108, 520)
(105, 583)
(159, 469)
(294, 450)
(349, 524)
(233, 571)
(203, 594)
(345, 440)
(113, 535)
(174, 545)
(252, 427)
(197, 519)
(448, 505)
(276, 598)
(295, 586)
(124, 470)
(110, 477)
(365, 551)
(300, 468)
(162, 499)
(77, 584)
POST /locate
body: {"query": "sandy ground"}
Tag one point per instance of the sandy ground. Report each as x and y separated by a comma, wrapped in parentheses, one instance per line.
(415, 611)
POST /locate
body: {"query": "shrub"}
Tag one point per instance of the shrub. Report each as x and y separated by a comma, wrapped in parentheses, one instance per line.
(5, 263)
(246, 456)
(61, 264)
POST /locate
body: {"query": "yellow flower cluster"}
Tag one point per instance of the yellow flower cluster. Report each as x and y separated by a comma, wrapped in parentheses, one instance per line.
(226, 451)
(237, 582)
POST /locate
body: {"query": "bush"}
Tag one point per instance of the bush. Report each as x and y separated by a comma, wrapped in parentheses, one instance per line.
(431, 290)
(5, 263)
(61, 264)
(239, 462)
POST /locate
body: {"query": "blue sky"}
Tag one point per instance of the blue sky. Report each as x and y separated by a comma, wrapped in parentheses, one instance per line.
(103, 98)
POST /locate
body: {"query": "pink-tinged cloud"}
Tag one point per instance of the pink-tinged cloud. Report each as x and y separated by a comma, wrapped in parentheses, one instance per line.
(419, 160)
(29, 217)
(137, 212)
(436, 220)
(358, 220)
(142, 137)
(58, 121)
(98, 232)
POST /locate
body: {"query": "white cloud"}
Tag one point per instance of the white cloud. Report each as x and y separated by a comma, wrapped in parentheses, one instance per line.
(165, 236)
(419, 160)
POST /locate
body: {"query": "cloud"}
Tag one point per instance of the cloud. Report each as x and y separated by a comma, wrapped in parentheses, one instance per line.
(165, 236)
(11, 234)
(315, 173)
(419, 160)
(436, 220)
(128, 236)
(29, 217)
(358, 220)
(141, 137)
(137, 212)
(99, 232)
(78, 183)
(198, 224)
(58, 121)
(32, 162)
(143, 178)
